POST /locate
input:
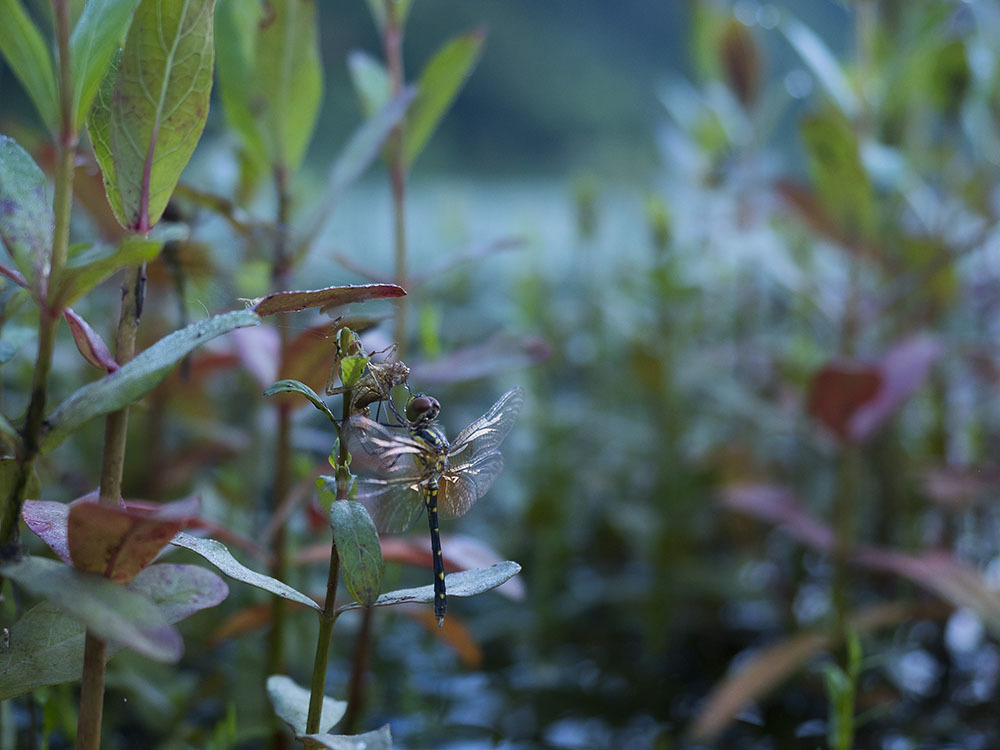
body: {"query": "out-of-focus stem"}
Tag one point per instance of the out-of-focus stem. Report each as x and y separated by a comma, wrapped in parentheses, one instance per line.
(393, 42)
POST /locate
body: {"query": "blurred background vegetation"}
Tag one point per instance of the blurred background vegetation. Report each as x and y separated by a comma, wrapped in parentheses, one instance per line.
(752, 299)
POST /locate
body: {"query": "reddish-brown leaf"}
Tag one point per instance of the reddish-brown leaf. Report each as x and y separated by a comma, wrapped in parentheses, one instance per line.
(89, 342)
(838, 392)
(333, 296)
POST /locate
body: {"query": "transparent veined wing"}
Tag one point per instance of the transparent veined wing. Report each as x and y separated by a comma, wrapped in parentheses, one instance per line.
(392, 448)
(458, 490)
(485, 434)
(394, 505)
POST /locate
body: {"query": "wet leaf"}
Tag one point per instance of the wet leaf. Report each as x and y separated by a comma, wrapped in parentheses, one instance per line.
(221, 558)
(379, 739)
(117, 543)
(465, 583)
(294, 386)
(26, 218)
(333, 296)
(361, 564)
(27, 54)
(89, 343)
(291, 704)
(160, 103)
(95, 40)
(287, 81)
(110, 611)
(439, 84)
(137, 377)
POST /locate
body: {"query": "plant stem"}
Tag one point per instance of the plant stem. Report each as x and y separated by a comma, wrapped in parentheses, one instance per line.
(88, 732)
(393, 42)
(49, 320)
(328, 616)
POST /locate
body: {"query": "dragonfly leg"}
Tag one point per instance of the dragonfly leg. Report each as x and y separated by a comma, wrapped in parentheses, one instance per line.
(440, 596)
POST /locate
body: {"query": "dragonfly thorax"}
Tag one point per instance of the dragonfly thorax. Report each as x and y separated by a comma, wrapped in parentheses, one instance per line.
(435, 442)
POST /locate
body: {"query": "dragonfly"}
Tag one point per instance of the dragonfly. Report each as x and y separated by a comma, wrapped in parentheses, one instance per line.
(413, 467)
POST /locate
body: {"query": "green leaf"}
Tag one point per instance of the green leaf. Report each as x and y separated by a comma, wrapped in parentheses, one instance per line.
(26, 219)
(358, 548)
(351, 369)
(9, 434)
(465, 583)
(220, 557)
(89, 269)
(378, 739)
(46, 645)
(822, 63)
(99, 129)
(28, 55)
(137, 377)
(236, 24)
(839, 175)
(288, 81)
(371, 81)
(111, 611)
(291, 704)
(294, 386)
(96, 38)
(439, 84)
(160, 103)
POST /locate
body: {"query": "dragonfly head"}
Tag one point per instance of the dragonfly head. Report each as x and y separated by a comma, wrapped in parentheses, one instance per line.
(422, 409)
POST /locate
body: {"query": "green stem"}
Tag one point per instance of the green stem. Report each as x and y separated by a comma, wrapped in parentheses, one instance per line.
(88, 732)
(328, 616)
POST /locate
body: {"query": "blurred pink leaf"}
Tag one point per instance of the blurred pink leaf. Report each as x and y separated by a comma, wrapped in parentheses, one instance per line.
(48, 520)
(89, 342)
(257, 349)
(482, 360)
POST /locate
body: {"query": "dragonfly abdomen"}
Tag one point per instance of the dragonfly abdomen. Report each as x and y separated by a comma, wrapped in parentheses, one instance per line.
(440, 595)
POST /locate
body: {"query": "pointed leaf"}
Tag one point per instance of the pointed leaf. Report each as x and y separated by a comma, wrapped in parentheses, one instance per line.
(117, 543)
(291, 704)
(180, 590)
(111, 611)
(378, 739)
(26, 219)
(221, 558)
(288, 81)
(137, 377)
(28, 56)
(294, 386)
(333, 296)
(89, 269)
(358, 548)
(465, 583)
(839, 391)
(439, 84)
(160, 103)
(99, 130)
(89, 343)
(236, 24)
(371, 81)
(96, 37)
(50, 522)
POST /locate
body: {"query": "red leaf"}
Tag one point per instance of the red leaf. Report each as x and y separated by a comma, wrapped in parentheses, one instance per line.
(333, 296)
(838, 391)
(90, 344)
(117, 543)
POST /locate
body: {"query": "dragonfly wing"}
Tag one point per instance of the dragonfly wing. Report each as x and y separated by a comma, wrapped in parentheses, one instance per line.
(393, 505)
(485, 434)
(380, 449)
(459, 490)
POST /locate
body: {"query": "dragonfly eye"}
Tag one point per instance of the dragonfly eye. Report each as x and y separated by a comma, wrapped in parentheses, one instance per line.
(422, 408)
